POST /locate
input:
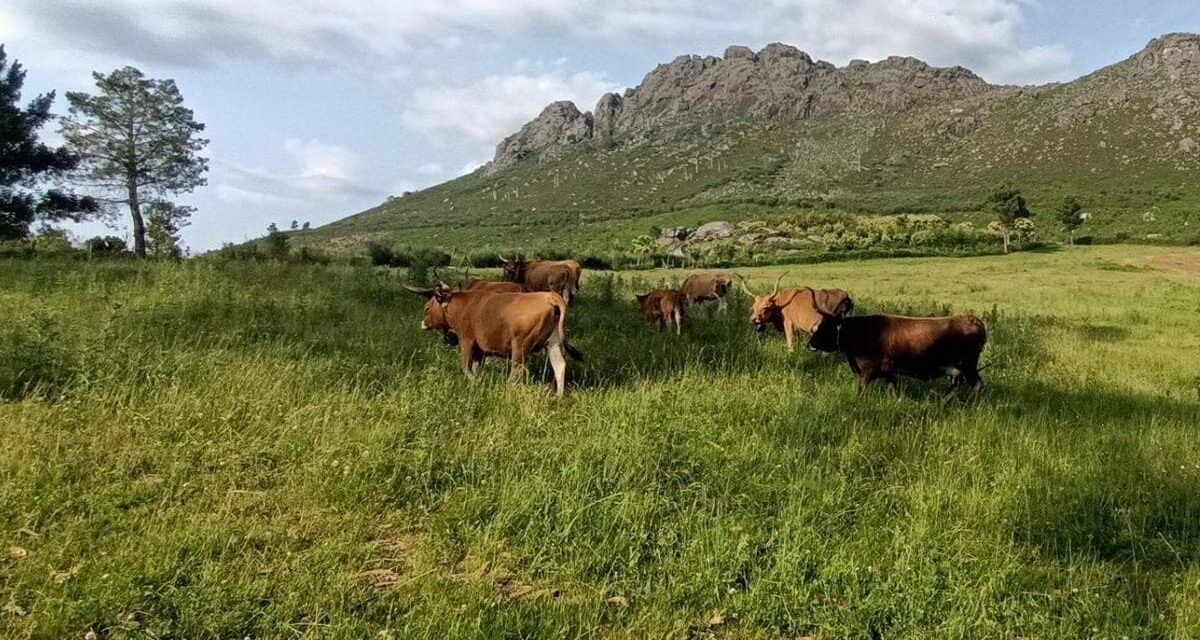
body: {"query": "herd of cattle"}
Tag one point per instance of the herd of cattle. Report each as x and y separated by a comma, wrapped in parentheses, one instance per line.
(527, 312)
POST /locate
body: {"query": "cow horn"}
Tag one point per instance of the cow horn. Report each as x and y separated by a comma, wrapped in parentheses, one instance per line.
(420, 290)
(745, 287)
(777, 281)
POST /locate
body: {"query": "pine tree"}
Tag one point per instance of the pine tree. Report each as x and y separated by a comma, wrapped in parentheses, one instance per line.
(26, 162)
(136, 142)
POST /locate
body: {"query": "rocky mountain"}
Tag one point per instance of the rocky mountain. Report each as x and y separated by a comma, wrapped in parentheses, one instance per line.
(778, 83)
(703, 137)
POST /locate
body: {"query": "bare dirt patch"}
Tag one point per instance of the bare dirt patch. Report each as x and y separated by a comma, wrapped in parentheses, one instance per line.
(1182, 262)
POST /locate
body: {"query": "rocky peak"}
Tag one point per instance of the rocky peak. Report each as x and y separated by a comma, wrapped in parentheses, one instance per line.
(1176, 53)
(779, 82)
(558, 126)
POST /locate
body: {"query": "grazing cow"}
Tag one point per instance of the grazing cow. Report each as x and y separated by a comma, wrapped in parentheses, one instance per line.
(510, 325)
(561, 276)
(707, 286)
(494, 286)
(663, 306)
(793, 310)
(925, 348)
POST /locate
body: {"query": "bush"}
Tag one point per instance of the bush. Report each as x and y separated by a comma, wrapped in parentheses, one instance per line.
(381, 255)
(598, 263)
(105, 246)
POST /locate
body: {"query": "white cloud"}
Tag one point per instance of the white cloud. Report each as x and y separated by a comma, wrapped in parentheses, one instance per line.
(480, 113)
(322, 180)
(384, 35)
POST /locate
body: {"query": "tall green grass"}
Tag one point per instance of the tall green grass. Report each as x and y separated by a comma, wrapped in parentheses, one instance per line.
(277, 451)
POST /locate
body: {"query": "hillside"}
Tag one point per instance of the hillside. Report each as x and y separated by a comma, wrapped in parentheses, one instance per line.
(753, 134)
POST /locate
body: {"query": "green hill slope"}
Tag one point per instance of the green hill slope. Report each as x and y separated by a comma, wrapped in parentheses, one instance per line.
(706, 139)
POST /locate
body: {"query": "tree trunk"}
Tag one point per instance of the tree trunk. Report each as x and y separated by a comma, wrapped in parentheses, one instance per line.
(1005, 234)
(139, 225)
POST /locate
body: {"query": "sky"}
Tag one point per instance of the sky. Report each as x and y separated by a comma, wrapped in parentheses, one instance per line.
(318, 110)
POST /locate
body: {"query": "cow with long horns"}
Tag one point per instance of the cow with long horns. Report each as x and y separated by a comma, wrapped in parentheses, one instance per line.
(561, 276)
(886, 346)
(510, 325)
(703, 287)
(798, 309)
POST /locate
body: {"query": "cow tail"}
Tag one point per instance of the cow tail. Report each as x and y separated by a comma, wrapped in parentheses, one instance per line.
(560, 307)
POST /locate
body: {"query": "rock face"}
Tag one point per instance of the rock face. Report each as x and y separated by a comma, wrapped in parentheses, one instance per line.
(718, 229)
(783, 84)
(558, 126)
(779, 82)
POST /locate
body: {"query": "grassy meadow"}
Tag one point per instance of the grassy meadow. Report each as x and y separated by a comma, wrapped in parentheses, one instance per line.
(258, 450)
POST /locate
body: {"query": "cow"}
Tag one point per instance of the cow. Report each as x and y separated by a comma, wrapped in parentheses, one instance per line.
(883, 346)
(707, 286)
(493, 286)
(663, 306)
(561, 276)
(511, 325)
(793, 310)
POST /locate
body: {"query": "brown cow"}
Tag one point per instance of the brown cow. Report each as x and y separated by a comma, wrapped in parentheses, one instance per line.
(707, 286)
(561, 276)
(511, 325)
(925, 348)
(793, 310)
(493, 286)
(663, 306)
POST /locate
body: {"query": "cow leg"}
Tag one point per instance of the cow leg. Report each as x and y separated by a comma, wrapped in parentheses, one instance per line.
(678, 322)
(518, 361)
(467, 359)
(788, 333)
(557, 362)
(721, 306)
(891, 383)
(866, 373)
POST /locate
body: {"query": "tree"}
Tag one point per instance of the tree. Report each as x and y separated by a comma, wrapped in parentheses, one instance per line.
(306, 226)
(295, 225)
(25, 161)
(276, 243)
(1070, 214)
(1008, 205)
(136, 142)
(164, 220)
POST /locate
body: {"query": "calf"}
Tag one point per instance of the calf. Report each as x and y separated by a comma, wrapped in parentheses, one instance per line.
(707, 286)
(793, 310)
(663, 306)
(925, 348)
(511, 325)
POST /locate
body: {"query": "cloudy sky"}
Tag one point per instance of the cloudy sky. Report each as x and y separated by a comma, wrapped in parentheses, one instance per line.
(320, 109)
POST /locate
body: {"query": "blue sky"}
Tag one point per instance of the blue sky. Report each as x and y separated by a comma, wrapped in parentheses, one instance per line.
(317, 110)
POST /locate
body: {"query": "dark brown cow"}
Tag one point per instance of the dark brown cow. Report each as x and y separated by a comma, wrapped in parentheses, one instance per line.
(707, 286)
(510, 325)
(884, 346)
(663, 306)
(793, 310)
(561, 276)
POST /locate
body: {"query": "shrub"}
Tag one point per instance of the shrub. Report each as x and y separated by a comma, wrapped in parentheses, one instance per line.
(381, 255)
(105, 246)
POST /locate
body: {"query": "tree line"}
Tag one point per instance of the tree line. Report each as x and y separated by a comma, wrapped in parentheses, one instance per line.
(131, 145)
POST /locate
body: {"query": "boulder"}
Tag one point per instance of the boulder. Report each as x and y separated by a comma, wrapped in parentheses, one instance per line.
(717, 229)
